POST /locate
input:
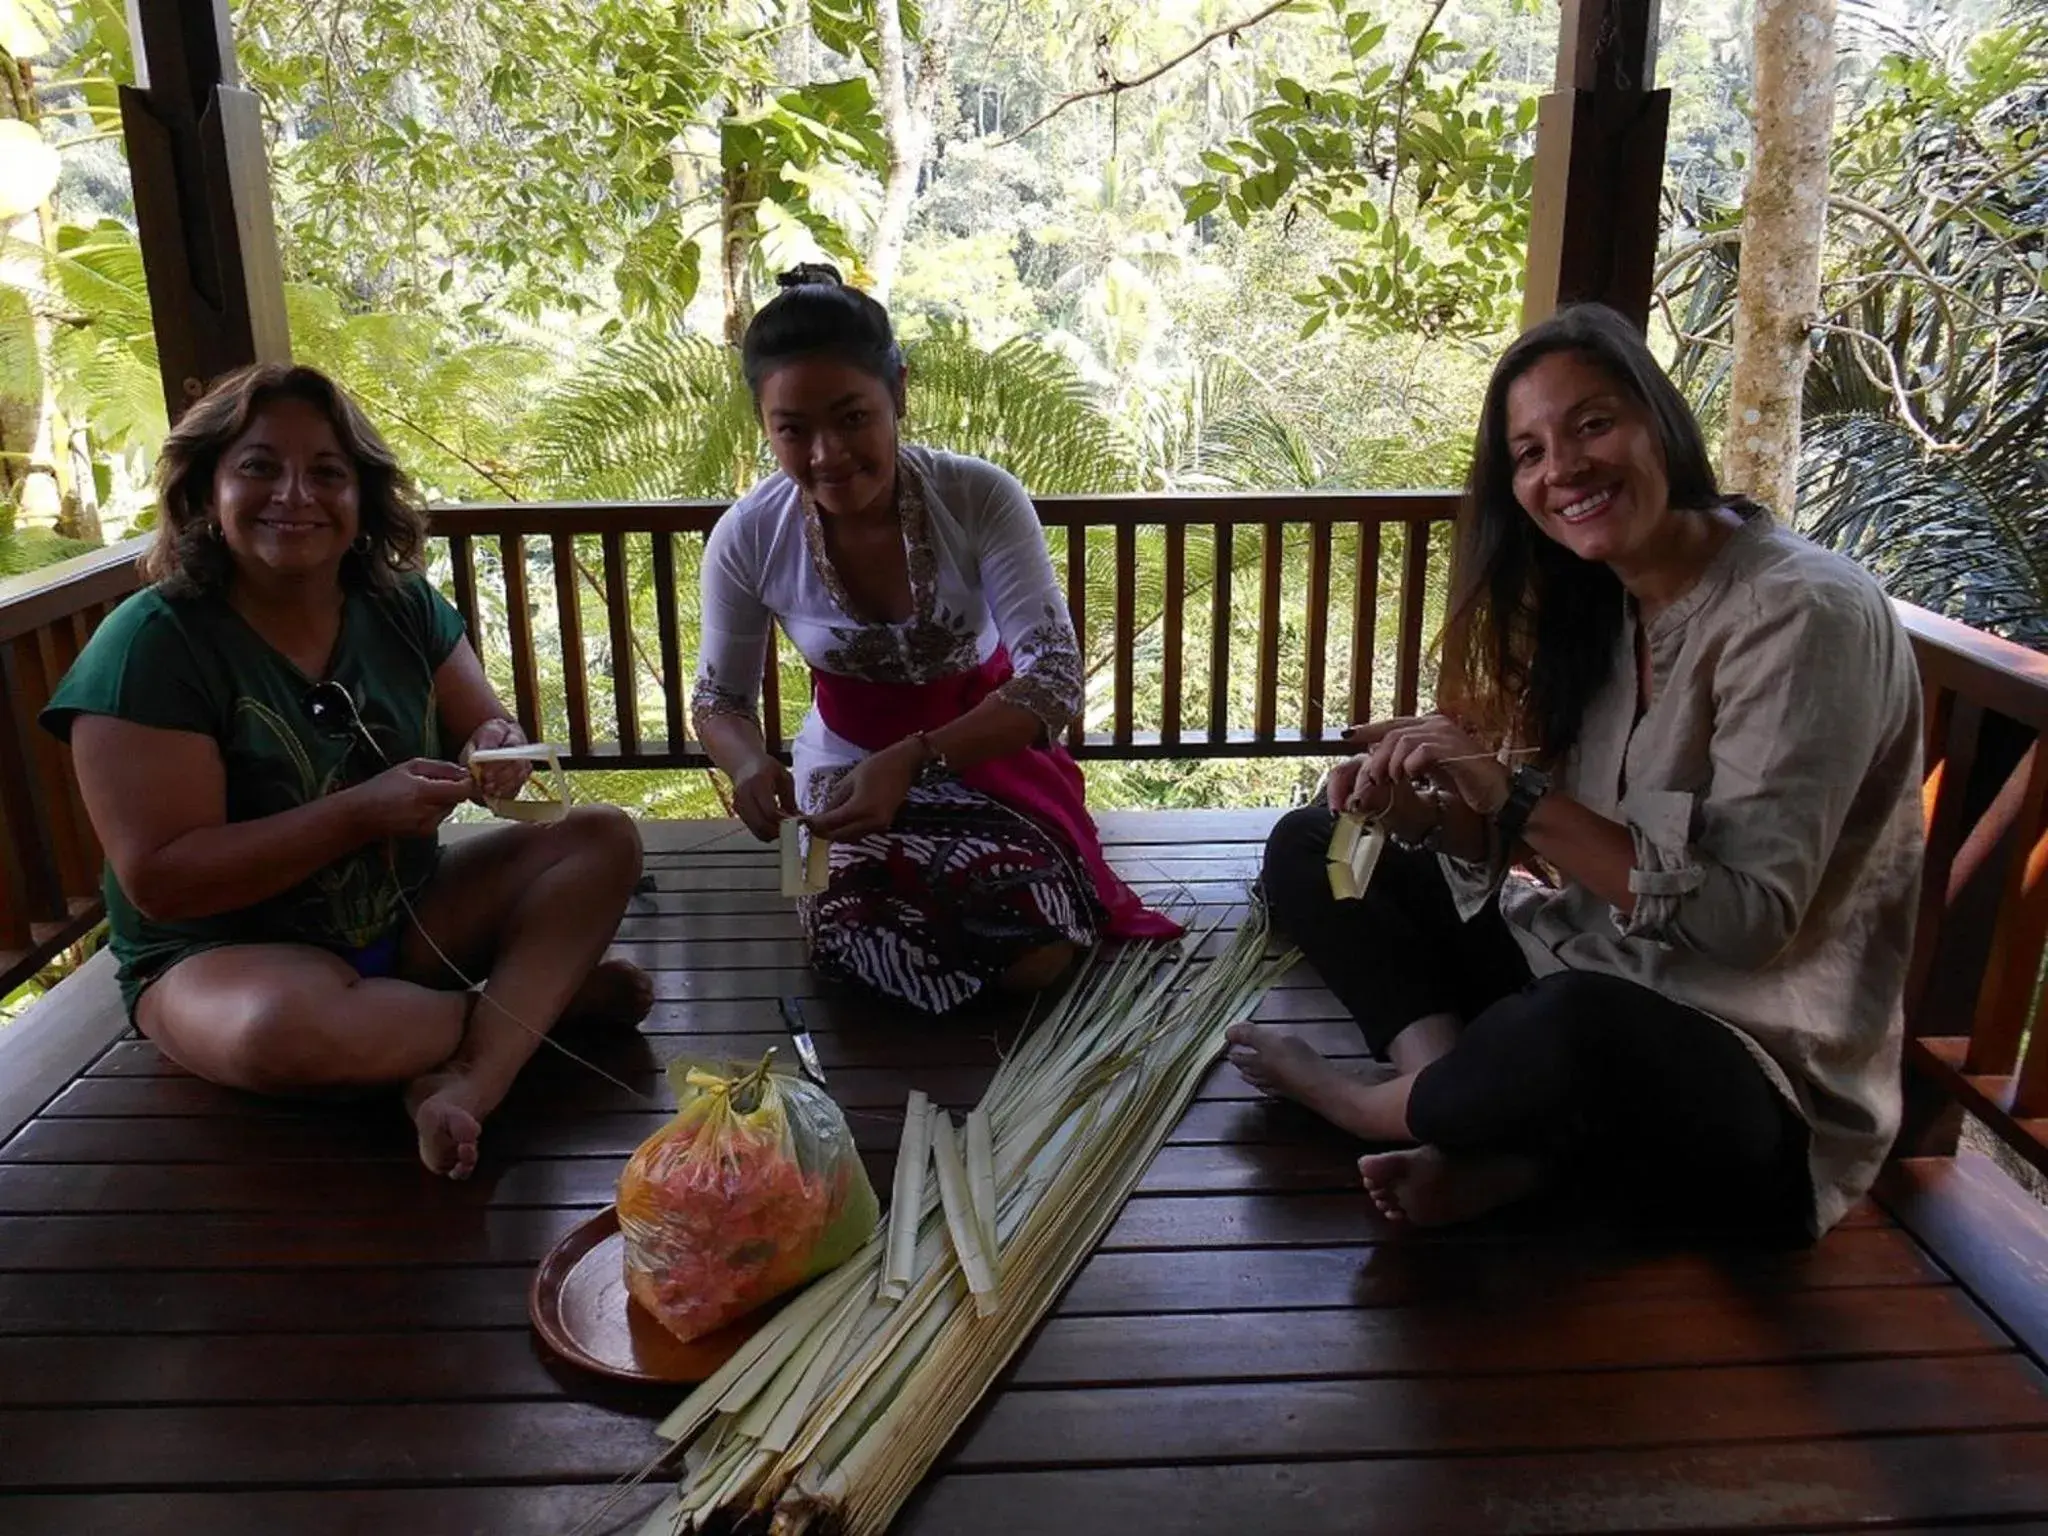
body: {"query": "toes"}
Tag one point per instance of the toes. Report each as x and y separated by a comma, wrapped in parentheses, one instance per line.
(448, 1139)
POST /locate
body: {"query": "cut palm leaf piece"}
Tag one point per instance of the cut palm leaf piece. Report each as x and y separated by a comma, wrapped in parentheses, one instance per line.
(1355, 848)
(906, 1203)
(961, 1219)
(806, 859)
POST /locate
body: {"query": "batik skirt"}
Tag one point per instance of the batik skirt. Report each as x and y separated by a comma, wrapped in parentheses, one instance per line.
(949, 898)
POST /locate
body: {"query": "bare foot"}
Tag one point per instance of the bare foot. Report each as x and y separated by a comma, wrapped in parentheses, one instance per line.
(616, 994)
(443, 1113)
(1370, 1104)
(1428, 1188)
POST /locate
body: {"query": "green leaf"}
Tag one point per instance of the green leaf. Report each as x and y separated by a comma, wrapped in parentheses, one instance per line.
(1201, 199)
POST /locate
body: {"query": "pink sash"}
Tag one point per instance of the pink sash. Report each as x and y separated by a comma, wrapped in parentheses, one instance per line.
(1042, 782)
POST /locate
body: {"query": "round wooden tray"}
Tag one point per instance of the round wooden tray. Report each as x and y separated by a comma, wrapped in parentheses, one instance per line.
(581, 1309)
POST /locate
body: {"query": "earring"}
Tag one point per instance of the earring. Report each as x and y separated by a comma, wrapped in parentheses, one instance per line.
(213, 530)
(362, 544)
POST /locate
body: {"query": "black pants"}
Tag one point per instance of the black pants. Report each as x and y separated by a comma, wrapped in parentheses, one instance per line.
(1659, 1107)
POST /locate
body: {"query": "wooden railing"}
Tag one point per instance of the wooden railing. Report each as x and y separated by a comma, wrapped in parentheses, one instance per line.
(1976, 1006)
(50, 896)
(555, 597)
(1347, 575)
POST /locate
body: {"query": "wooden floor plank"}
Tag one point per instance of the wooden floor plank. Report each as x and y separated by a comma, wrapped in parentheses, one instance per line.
(1500, 1503)
(395, 1181)
(1392, 1274)
(866, 1044)
(1512, 1334)
(383, 1136)
(1615, 1333)
(402, 1297)
(193, 1447)
(558, 1086)
(1314, 1420)
(1788, 1487)
(502, 1511)
(196, 1447)
(477, 1365)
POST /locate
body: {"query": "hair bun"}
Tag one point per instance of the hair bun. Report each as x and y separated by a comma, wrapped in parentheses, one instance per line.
(811, 274)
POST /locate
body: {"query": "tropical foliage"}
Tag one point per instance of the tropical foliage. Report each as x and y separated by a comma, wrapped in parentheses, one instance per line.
(525, 238)
(1926, 400)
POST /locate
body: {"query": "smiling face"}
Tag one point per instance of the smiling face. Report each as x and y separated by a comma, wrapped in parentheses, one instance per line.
(1588, 464)
(833, 429)
(286, 494)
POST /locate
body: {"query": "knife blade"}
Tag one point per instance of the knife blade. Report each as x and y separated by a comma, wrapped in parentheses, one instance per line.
(800, 1036)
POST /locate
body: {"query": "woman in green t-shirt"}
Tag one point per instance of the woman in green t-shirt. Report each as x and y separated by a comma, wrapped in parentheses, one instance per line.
(267, 739)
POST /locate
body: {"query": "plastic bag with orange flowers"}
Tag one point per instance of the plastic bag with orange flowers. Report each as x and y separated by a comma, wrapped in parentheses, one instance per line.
(752, 1189)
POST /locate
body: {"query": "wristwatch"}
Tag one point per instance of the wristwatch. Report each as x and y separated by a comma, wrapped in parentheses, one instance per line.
(1526, 785)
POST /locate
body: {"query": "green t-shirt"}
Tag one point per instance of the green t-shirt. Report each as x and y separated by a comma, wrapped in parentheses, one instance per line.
(194, 664)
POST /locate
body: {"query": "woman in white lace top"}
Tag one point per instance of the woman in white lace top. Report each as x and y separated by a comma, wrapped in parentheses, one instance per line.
(917, 585)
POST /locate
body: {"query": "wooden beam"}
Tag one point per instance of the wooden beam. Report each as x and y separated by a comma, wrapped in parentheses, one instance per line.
(1599, 164)
(202, 199)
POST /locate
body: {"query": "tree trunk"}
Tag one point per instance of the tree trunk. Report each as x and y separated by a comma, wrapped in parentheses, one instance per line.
(904, 133)
(737, 228)
(1783, 218)
(84, 518)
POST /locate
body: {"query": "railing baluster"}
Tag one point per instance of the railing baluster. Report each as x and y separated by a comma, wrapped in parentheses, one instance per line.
(71, 839)
(1077, 610)
(1314, 669)
(1170, 633)
(1272, 561)
(1126, 630)
(619, 617)
(2014, 963)
(35, 888)
(771, 691)
(1219, 633)
(672, 693)
(1414, 593)
(1945, 830)
(519, 632)
(569, 612)
(1365, 620)
(2030, 1088)
(462, 560)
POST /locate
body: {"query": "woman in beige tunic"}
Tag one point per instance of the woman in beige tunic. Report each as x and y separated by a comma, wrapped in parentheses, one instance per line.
(1646, 920)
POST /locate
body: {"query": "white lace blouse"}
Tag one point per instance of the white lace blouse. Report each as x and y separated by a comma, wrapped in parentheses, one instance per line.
(979, 577)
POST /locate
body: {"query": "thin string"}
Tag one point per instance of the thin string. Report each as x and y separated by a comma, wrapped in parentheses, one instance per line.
(477, 988)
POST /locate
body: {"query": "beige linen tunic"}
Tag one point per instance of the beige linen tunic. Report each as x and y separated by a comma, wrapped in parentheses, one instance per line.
(1773, 792)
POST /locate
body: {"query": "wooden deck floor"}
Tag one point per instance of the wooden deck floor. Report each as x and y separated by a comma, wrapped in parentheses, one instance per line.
(223, 1315)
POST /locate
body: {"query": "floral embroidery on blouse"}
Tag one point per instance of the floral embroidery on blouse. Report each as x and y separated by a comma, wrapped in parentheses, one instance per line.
(1048, 680)
(932, 642)
(710, 697)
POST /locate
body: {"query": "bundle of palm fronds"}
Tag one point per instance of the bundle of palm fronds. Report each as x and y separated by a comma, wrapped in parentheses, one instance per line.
(833, 1411)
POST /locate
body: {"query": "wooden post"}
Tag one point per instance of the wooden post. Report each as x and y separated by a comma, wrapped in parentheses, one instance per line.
(202, 199)
(1599, 164)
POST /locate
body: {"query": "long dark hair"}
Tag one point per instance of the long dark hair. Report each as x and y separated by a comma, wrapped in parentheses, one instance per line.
(188, 556)
(818, 315)
(1533, 627)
